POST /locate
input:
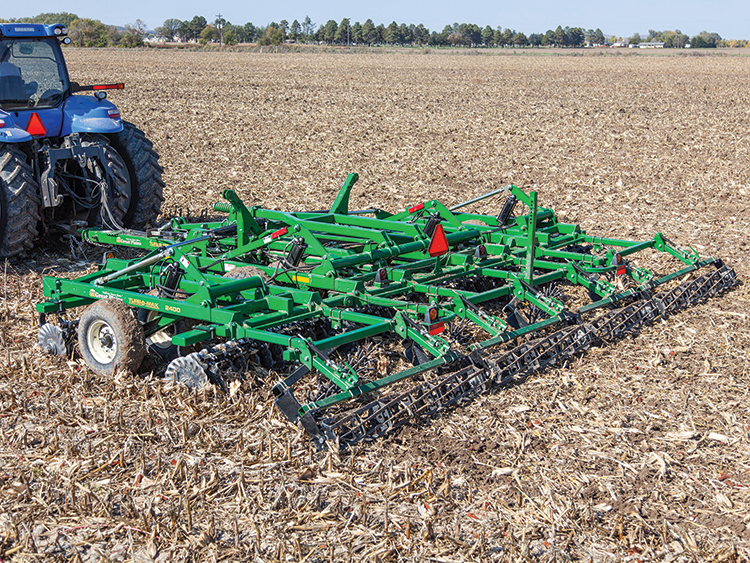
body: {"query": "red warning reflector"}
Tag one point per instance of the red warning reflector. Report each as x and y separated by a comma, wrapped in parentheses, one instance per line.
(621, 270)
(416, 208)
(281, 232)
(35, 126)
(118, 86)
(437, 328)
(438, 244)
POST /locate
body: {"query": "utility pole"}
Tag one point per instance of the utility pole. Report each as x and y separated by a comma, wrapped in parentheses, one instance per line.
(220, 25)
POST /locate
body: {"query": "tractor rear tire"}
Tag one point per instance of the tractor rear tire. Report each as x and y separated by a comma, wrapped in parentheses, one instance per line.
(120, 204)
(144, 175)
(110, 337)
(19, 203)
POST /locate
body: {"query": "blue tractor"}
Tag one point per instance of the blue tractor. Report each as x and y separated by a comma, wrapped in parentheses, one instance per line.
(67, 161)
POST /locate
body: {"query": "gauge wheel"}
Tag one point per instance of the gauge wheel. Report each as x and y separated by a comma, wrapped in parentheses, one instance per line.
(110, 338)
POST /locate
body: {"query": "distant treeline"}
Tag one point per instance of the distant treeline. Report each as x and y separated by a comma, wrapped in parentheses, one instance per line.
(85, 32)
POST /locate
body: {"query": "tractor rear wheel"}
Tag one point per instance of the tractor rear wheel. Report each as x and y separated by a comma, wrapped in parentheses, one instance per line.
(118, 197)
(110, 337)
(19, 203)
(145, 187)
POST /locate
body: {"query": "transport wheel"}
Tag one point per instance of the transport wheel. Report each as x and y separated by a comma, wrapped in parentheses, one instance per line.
(143, 175)
(19, 203)
(110, 337)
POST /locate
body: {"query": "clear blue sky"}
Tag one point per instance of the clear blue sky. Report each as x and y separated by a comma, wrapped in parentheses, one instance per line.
(728, 18)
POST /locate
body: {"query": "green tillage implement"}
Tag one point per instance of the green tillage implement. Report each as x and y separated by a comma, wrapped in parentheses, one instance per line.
(462, 301)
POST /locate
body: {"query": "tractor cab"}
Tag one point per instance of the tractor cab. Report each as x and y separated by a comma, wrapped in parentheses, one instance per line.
(81, 163)
(33, 74)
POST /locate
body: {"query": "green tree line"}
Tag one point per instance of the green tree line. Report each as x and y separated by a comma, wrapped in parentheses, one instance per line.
(368, 33)
(678, 40)
(85, 32)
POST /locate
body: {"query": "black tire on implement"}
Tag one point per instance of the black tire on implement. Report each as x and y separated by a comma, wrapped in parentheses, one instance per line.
(110, 337)
(144, 172)
(19, 203)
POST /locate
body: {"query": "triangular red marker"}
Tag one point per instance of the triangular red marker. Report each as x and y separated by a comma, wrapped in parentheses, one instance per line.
(438, 244)
(35, 126)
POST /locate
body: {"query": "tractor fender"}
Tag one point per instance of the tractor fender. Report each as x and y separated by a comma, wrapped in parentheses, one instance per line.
(11, 131)
(84, 114)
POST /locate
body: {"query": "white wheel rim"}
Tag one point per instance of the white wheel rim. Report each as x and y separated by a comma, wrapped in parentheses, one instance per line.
(101, 342)
(161, 339)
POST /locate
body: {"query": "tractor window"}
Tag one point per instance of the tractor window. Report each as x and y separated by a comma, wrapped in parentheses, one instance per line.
(32, 74)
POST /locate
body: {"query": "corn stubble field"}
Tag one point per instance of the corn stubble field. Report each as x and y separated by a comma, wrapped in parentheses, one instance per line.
(636, 451)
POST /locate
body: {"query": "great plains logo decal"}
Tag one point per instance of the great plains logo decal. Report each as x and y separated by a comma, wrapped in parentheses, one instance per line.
(129, 241)
(106, 295)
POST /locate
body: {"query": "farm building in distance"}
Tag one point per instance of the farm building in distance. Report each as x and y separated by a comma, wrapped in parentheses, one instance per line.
(650, 45)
